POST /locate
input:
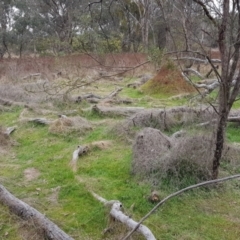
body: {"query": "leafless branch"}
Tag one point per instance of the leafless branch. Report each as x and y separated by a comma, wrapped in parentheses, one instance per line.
(178, 193)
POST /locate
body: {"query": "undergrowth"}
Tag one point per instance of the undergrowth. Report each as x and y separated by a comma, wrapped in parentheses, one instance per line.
(65, 196)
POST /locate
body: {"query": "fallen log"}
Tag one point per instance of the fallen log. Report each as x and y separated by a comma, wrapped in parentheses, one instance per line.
(48, 229)
(92, 98)
(116, 111)
(235, 119)
(76, 154)
(42, 121)
(200, 60)
(117, 214)
(7, 102)
(187, 70)
(88, 97)
(114, 93)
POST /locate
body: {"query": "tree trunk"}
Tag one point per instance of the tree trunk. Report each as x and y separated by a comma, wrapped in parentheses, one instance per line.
(220, 137)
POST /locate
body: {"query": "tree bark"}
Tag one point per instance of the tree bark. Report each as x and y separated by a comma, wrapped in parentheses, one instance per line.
(116, 111)
(49, 230)
(220, 137)
(116, 213)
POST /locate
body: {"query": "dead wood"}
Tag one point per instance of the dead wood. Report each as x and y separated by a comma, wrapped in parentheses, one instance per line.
(81, 150)
(140, 82)
(9, 130)
(116, 213)
(32, 76)
(211, 70)
(92, 98)
(4, 108)
(7, 102)
(200, 60)
(88, 97)
(234, 119)
(176, 194)
(42, 121)
(190, 70)
(164, 119)
(114, 93)
(154, 197)
(48, 229)
(116, 111)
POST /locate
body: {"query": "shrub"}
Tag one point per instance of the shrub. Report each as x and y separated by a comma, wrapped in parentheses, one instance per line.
(185, 161)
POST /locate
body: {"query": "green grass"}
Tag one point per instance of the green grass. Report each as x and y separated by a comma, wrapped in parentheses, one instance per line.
(233, 132)
(195, 215)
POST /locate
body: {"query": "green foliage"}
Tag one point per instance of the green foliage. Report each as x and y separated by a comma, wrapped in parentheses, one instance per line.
(107, 172)
(233, 132)
(85, 43)
(52, 46)
(155, 55)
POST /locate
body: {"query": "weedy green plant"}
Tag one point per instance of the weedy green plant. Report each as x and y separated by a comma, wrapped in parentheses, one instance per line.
(36, 170)
(155, 55)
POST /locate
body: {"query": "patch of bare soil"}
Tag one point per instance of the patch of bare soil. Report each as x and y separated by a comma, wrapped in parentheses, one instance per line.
(31, 174)
(53, 198)
(29, 231)
(4, 138)
(5, 142)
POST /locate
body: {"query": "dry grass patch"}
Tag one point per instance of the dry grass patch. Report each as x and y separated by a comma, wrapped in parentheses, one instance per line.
(183, 160)
(162, 119)
(70, 124)
(103, 144)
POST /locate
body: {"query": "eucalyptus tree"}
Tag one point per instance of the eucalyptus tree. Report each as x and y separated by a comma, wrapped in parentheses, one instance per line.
(5, 26)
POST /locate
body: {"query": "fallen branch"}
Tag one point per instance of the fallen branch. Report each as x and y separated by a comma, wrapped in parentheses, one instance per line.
(234, 119)
(194, 72)
(116, 111)
(32, 76)
(9, 130)
(230, 119)
(42, 121)
(205, 61)
(48, 228)
(176, 194)
(76, 154)
(114, 93)
(92, 98)
(116, 213)
(7, 102)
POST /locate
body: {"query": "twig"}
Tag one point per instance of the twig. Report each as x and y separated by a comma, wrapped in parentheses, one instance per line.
(176, 194)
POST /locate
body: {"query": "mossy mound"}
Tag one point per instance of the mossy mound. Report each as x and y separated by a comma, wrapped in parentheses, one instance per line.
(169, 80)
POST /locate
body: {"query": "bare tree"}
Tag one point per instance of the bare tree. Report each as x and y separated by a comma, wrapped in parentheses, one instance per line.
(222, 17)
